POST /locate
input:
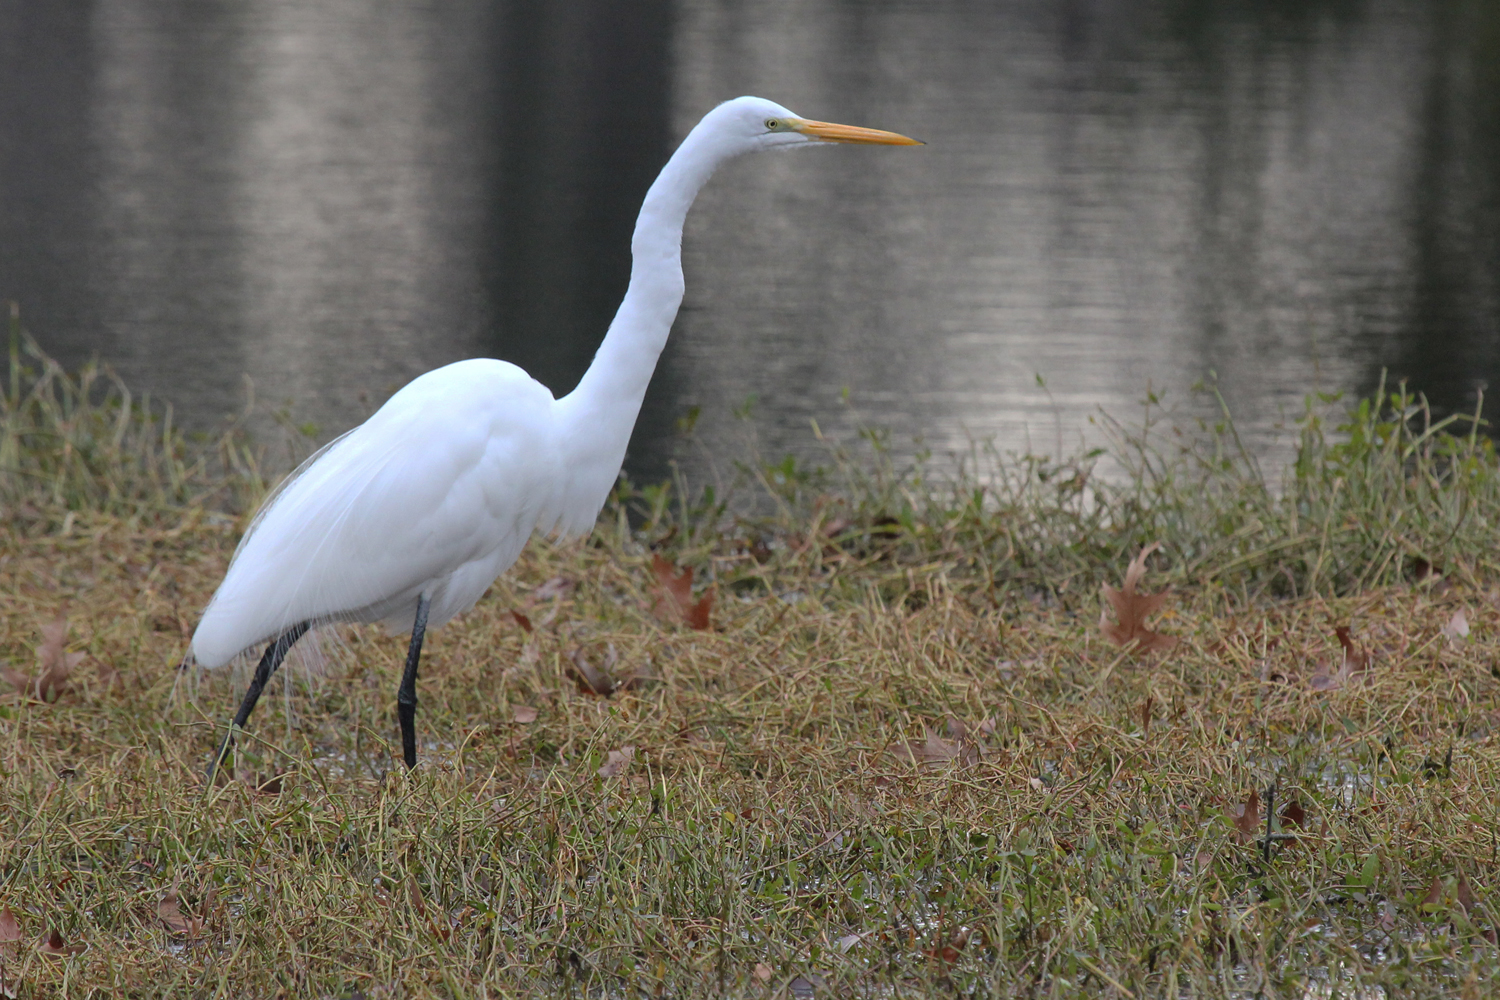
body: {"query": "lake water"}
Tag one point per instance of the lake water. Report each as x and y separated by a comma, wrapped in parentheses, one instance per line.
(333, 197)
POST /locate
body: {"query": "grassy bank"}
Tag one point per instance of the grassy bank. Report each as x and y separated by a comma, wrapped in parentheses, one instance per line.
(905, 759)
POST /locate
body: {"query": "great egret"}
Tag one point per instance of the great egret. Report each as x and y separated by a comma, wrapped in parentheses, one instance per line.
(409, 517)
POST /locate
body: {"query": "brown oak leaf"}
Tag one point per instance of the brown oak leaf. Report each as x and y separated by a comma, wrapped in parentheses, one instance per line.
(591, 679)
(1247, 818)
(674, 597)
(1132, 609)
(10, 934)
(1457, 629)
(169, 911)
(617, 762)
(948, 951)
(52, 943)
(1355, 659)
(1354, 663)
(936, 750)
(1326, 679)
(1464, 894)
(55, 662)
(1435, 893)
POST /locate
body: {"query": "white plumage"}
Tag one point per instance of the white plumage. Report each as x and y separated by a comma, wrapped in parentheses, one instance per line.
(411, 500)
(422, 506)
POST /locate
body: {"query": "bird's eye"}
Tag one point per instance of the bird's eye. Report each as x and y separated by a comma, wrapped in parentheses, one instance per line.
(772, 124)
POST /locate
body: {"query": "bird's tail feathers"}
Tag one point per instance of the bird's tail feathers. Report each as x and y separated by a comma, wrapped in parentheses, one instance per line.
(281, 487)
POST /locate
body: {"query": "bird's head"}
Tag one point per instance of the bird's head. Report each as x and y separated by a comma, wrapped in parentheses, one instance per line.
(757, 124)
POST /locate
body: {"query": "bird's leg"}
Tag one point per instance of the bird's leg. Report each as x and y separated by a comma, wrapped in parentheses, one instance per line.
(269, 661)
(406, 696)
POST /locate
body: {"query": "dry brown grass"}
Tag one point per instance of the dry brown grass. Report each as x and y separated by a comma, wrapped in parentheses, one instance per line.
(887, 784)
(904, 761)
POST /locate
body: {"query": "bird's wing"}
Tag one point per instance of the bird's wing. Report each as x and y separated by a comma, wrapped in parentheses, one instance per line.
(456, 467)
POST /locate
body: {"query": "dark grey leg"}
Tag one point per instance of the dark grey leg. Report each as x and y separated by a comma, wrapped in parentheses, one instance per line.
(406, 696)
(274, 654)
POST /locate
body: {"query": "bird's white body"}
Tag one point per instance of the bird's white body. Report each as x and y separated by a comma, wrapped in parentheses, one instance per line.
(410, 501)
(436, 494)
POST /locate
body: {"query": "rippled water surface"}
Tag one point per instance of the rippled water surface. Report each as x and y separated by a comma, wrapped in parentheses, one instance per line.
(333, 197)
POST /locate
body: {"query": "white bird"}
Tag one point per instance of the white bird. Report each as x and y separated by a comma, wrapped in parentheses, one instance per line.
(409, 517)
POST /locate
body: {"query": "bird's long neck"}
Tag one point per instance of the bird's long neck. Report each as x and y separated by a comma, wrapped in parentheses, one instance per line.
(601, 411)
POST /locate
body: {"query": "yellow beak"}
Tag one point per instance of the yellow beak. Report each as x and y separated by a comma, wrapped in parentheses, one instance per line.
(829, 132)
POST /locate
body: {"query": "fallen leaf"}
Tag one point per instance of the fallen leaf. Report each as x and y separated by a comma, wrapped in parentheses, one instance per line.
(10, 933)
(1037, 784)
(1325, 679)
(591, 679)
(521, 620)
(802, 986)
(52, 944)
(618, 761)
(55, 661)
(1132, 609)
(17, 679)
(558, 586)
(1434, 895)
(1293, 815)
(1465, 895)
(936, 750)
(170, 913)
(1355, 659)
(1457, 629)
(763, 972)
(848, 941)
(949, 951)
(1247, 818)
(1146, 716)
(674, 597)
(1432, 576)
(525, 714)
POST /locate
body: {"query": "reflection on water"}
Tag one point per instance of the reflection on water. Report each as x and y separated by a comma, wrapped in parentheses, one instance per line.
(334, 197)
